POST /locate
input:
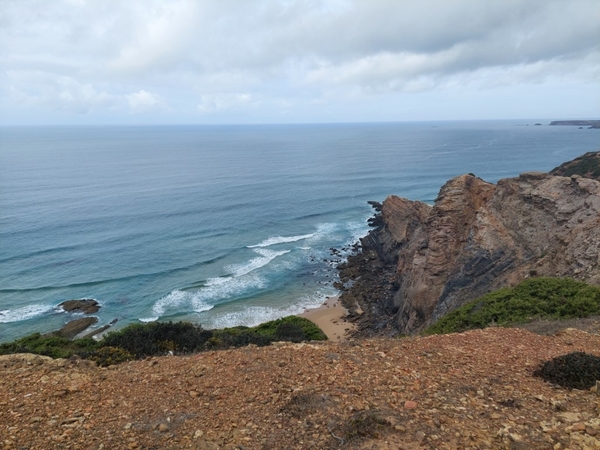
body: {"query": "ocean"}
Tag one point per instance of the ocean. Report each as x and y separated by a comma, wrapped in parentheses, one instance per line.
(221, 225)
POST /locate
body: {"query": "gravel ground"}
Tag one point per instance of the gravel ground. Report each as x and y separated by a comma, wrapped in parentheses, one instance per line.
(469, 390)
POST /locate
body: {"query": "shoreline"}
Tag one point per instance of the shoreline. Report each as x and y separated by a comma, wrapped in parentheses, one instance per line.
(329, 317)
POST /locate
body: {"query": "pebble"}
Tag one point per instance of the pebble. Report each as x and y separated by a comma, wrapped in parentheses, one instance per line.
(409, 404)
(163, 428)
(198, 434)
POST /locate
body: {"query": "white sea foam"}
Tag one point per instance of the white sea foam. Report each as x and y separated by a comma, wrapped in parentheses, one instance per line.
(281, 240)
(23, 313)
(251, 316)
(328, 231)
(238, 270)
(241, 280)
(254, 315)
(148, 319)
(176, 299)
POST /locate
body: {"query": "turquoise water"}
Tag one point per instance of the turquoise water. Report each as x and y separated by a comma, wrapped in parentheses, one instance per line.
(222, 225)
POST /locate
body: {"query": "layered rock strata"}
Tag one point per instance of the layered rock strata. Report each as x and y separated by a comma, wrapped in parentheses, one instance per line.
(422, 261)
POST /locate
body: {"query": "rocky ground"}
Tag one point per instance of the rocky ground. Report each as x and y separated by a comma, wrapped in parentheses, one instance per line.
(459, 391)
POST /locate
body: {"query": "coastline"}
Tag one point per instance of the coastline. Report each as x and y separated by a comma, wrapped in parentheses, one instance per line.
(329, 317)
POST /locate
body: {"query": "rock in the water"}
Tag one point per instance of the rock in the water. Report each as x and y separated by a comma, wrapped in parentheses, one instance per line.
(85, 305)
(423, 261)
(74, 327)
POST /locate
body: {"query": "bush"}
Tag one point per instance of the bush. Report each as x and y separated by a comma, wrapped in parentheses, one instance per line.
(575, 370)
(311, 331)
(158, 338)
(227, 338)
(291, 332)
(534, 298)
(53, 346)
(108, 356)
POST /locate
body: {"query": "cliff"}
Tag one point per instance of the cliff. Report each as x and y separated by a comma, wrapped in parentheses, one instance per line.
(422, 261)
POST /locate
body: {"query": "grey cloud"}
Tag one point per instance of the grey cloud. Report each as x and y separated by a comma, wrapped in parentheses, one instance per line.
(214, 55)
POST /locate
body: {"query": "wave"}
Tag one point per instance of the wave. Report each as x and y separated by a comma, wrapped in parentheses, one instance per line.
(238, 270)
(240, 281)
(24, 313)
(175, 300)
(114, 280)
(281, 240)
(251, 316)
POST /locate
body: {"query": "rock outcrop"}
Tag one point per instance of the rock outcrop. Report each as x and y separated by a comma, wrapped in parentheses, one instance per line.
(85, 306)
(74, 327)
(422, 261)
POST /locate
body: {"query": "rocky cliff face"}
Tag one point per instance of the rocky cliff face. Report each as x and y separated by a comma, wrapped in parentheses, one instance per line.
(422, 261)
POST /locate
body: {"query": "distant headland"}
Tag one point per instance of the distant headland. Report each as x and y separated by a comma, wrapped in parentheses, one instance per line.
(582, 123)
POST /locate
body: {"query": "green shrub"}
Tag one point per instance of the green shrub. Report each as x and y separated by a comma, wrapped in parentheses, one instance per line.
(244, 338)
(291, 332)
(53, 346)
(158, 338)
(311, 331)
(575, 370)
(534, 298)
(108, 356)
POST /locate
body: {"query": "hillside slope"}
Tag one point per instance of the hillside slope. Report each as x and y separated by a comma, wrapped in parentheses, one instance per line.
(469, 390)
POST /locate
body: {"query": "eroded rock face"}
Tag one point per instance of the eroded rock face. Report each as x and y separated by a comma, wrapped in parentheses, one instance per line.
(423, 261)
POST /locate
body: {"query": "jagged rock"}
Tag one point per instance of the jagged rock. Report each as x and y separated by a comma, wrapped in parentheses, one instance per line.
(85, 305)
(423, 261)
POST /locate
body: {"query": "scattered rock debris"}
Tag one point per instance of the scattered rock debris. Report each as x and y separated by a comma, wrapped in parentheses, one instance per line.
(457, 391)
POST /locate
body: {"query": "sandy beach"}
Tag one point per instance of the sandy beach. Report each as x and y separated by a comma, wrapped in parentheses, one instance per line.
(329, 317)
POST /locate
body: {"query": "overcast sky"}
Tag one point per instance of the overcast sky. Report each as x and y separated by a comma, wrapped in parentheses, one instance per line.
(272, 61)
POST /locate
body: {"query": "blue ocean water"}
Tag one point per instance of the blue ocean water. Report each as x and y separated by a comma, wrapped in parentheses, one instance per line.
(221, 225)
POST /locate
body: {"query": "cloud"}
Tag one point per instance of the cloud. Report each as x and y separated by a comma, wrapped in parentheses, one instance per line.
(38, 89)
(214, 56)
(62, 93)
(225, 102)
(143, 101)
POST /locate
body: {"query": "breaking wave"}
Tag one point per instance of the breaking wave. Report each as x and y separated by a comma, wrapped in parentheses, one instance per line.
(23, 313)
(281, 240)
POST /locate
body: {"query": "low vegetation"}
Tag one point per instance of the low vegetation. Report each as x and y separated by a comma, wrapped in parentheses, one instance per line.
(53, 346)
(159, 338)
(577, 370)
(587, 165)
(534, 298)
(365, 424)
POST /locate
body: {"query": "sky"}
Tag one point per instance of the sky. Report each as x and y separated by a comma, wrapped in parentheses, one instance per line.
(297, 61)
